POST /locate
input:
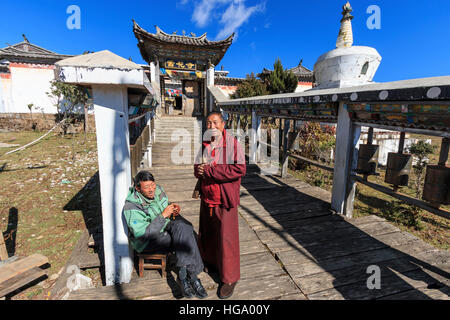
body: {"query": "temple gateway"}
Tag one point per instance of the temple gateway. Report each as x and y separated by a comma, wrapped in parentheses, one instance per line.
(180, 68)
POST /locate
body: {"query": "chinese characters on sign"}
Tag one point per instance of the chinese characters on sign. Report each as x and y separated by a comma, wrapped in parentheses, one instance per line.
(180, 65)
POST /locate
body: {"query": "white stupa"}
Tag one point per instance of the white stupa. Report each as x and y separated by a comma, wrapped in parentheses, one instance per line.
(347, 65)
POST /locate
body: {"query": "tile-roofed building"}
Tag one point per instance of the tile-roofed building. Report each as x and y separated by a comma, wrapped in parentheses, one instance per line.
(26, 71)
(28, 52)
(161, 46)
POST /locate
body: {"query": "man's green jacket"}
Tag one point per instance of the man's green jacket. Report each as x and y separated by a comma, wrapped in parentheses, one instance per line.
(144, 217)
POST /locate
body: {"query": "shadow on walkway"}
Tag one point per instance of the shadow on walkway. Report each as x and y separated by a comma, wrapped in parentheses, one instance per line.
(338, 253)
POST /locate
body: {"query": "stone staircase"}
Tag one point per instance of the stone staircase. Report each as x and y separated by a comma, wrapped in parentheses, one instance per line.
(174, 133)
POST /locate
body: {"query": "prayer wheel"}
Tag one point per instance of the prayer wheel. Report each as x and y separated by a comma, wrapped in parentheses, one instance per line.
(437, 184)
(398, 168)
(367, 159)
(291, 139)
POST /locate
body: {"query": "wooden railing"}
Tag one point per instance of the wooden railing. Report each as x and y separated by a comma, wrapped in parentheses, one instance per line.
(138, 149)
(414, 107)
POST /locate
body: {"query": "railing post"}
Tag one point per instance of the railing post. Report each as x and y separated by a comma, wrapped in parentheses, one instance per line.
(347, 136)
(285, 157)
(443, 155)
(150, 140)
(254, 138)
(238, 126)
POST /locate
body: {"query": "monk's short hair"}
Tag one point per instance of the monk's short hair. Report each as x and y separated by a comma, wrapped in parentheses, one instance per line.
(143, 175)
(217, 113)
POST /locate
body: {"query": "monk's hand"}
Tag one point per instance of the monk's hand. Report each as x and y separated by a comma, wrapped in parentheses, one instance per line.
(201, 170)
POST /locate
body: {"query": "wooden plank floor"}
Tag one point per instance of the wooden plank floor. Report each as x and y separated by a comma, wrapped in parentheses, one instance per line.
(294, 247)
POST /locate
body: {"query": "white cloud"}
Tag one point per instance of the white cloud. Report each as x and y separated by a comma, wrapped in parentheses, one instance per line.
(236, 14)
(203, 10)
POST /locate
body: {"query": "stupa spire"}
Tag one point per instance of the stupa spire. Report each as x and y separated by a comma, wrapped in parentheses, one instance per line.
(345, 37)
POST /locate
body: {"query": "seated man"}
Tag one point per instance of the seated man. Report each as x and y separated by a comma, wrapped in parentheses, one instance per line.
(156, 227)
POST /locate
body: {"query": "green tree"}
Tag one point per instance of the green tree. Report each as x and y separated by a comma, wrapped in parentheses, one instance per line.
(421, 151)
(250, 87)
(280, 80)
(66, 97)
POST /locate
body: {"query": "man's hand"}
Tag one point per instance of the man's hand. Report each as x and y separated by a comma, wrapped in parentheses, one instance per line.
(171, 210)
(168, 211)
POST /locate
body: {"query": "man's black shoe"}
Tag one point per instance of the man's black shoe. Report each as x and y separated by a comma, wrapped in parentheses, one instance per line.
(186, 289)
(200, 291)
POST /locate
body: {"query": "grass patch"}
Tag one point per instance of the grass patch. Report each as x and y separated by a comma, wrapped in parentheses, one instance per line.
(42, 213)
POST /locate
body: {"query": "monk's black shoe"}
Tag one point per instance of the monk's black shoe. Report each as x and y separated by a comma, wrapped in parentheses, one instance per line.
(200, 291)
(186, 289)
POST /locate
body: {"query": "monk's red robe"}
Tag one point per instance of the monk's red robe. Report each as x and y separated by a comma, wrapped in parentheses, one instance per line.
(219, 232)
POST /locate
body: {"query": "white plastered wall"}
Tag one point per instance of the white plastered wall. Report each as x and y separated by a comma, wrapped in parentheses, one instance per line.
(29, 85)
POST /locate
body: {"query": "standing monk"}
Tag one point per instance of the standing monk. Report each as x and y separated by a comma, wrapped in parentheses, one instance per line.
(220, 175)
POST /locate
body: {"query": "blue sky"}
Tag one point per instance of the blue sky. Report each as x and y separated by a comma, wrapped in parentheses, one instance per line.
(413, 39)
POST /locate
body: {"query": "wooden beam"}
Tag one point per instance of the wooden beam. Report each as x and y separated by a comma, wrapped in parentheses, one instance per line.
(21, 280)
(3, 251)
(11, 270)
(427, 132)
(404, 198)
(311, 162)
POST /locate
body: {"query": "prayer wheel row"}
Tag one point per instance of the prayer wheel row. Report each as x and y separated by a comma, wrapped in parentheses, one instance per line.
(437, 179)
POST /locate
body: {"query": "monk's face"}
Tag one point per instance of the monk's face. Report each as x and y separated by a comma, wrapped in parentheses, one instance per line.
(147, 189)
(215, 122)
(215, 126)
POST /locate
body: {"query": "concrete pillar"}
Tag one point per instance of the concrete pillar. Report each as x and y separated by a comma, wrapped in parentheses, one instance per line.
(347, 136)
(111, 120)
(153, 72)
(209, 100)
(155, 80)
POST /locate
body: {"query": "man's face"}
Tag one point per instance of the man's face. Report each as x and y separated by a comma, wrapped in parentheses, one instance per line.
(147, 189)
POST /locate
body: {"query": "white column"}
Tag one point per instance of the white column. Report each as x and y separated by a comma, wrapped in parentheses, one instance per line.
(209, 82)
(347, 136)
(111, 120)
(154, 78)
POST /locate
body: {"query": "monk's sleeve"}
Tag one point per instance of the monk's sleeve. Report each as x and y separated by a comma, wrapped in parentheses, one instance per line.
(196, 172)
(228, 172)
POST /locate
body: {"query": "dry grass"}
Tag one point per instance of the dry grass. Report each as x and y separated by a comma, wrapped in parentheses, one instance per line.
(49, 195)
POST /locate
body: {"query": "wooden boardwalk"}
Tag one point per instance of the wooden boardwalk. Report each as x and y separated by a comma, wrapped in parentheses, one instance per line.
(293, 247)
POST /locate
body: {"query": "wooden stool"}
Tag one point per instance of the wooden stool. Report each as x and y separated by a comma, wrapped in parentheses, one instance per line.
(156, 256)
